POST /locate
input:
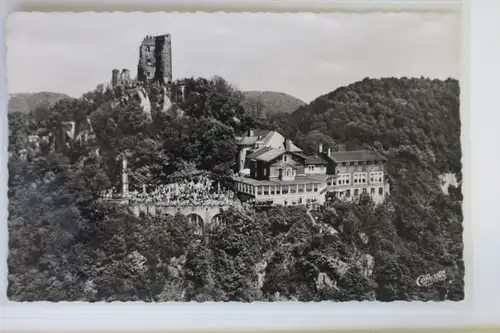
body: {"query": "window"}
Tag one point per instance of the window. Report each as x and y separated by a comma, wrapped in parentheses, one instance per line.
(347, 193)
(284, 189)
(272, 190)
(364, 191)
(356, 192)
(362, 177)
(259, 190)
(265, 172)
(301, 188)
(381, 190)
(376, 177)
(293, 188)
(285, 158)
(344, 179)
(266, 190)
(351, 163)
(309, 188)
(329, 182)
(315, 187)
(288, 172)
(252, 190)
(372, 191)
(359, 178)
(310, 168)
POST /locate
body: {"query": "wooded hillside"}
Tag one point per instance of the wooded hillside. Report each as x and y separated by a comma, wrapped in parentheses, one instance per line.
(65, 245)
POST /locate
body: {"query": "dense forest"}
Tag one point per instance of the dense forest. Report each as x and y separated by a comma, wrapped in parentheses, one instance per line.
(66, 245)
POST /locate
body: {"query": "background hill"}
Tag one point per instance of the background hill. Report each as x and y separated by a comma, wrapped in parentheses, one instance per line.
(420, 115)
(25, 102)
(263, 103)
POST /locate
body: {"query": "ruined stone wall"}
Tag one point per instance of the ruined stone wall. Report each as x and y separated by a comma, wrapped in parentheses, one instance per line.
(147, 61)
(155, 59)
(164, 58)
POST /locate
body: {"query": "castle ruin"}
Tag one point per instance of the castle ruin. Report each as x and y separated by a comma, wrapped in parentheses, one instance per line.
(155, 59)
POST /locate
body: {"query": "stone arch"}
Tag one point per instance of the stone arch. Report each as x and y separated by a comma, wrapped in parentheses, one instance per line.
(217, 218)
(198, 223)
(216, 222)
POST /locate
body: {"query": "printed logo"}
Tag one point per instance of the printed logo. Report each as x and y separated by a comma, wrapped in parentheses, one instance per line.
(429, 279)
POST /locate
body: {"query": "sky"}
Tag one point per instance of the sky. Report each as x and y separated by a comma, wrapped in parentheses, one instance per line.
(305, 55)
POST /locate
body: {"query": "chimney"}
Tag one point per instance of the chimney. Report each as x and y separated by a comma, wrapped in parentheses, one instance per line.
(288, 144)
(329, 151)
(124, 177)
(320, 148)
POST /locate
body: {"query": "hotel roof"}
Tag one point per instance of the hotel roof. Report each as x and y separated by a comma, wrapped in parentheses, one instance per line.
(315, 160)
(309, 179)
(257, 134)
(268, 154)
(355, 156)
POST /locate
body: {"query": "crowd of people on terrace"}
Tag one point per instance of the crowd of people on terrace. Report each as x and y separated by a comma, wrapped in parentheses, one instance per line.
(201, 192)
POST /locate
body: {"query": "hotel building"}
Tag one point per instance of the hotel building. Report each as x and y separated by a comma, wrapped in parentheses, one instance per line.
(272, 170)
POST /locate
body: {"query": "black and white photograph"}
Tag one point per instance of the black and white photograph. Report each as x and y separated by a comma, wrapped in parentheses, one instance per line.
(234, 157)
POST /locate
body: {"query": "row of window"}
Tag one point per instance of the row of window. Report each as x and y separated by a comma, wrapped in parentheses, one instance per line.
(286, 189)
(288, 172)
(356, 192)
(276, 189)
(376, 177)
(361, 163)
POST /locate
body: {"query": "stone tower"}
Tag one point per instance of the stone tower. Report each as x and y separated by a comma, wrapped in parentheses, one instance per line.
(155, 59)
(115, 76)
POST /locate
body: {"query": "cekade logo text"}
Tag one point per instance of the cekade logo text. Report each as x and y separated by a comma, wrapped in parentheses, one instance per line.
(428, 279)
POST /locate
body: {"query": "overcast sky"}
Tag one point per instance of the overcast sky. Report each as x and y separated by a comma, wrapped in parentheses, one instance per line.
(305, 55)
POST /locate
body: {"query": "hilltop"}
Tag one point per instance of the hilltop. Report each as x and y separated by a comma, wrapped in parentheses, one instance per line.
(263, 103)
(25, 102)
(391, 113)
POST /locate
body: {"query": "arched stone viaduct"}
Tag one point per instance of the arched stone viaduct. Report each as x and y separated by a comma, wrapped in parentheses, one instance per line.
(200, 216)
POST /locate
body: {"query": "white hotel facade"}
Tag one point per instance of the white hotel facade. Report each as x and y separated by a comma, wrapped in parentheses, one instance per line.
(273, 171)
